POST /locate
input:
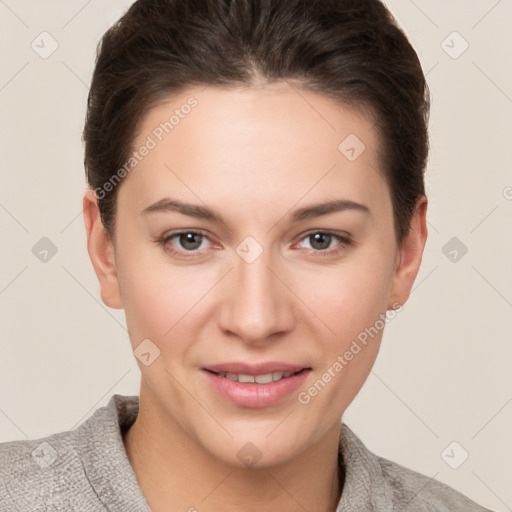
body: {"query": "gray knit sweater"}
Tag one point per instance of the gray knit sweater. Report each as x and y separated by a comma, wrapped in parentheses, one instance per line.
(87, 469)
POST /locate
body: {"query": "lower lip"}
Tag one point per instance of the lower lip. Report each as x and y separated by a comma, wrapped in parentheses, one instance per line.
(254, 395)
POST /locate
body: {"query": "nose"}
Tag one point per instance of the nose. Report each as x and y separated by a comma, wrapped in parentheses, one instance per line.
(256, 305)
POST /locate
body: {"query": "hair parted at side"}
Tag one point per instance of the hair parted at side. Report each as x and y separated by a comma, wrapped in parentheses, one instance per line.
(349, 50)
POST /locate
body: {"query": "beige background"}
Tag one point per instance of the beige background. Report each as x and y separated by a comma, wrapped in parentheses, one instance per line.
(444, 370)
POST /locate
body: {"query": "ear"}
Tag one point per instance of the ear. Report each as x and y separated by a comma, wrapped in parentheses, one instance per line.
(101, 251)
(409, 255)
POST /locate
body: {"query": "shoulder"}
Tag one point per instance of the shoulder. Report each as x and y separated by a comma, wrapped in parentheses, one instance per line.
(375, 483)
(418, 492)
(63, 471)
(37, 475)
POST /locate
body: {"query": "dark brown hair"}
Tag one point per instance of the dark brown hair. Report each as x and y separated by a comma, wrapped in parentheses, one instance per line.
(350, 50)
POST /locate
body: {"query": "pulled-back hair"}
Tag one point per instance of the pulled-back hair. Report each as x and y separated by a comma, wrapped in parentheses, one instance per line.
(350, 50)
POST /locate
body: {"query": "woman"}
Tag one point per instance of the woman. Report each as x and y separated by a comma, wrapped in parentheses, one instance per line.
(257, 208)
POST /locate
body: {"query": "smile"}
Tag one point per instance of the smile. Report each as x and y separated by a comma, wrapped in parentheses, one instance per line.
(255, 386)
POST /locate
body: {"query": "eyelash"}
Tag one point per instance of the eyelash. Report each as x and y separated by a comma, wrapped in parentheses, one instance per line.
(164, 242)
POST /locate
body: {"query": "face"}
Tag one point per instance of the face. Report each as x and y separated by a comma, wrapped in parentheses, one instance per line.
(255, 253)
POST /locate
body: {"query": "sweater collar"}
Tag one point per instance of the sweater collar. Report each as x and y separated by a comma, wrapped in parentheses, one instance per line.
(104, 456)
(364, 487)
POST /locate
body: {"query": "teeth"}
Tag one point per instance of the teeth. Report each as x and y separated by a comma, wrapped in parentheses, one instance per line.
(265, 378)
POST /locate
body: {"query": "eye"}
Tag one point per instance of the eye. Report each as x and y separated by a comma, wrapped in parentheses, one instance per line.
(183, 242)
(191, 240)
(325, 242)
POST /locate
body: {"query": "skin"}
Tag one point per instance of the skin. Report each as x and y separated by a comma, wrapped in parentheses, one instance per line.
(254, 155)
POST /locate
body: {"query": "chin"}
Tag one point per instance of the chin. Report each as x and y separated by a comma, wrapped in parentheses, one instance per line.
(254, 447)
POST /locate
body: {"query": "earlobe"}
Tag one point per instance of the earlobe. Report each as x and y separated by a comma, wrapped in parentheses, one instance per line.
(410, 255)
(101, 252)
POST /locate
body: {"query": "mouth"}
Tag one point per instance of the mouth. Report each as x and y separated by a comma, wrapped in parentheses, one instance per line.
(256, 385)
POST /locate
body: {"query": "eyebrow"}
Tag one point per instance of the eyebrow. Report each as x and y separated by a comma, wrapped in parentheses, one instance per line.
(320, 209)
(192, 210)
(203, 212)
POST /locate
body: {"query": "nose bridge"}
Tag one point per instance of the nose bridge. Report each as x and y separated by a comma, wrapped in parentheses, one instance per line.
(256, 305)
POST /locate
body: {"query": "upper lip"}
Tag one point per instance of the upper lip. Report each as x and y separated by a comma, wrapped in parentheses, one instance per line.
(262, 368)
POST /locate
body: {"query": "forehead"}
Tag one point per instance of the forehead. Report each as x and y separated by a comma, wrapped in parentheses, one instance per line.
(241, 114)
(273, 142)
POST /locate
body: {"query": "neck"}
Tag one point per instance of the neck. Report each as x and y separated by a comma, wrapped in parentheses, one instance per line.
(175, 473)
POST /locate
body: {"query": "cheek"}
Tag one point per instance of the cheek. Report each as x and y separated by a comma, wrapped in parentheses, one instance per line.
(160, 300)
(350, 297)
(352, 302)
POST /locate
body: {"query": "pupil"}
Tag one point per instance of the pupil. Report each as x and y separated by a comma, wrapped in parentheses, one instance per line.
(323, 240)
(187, 240)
